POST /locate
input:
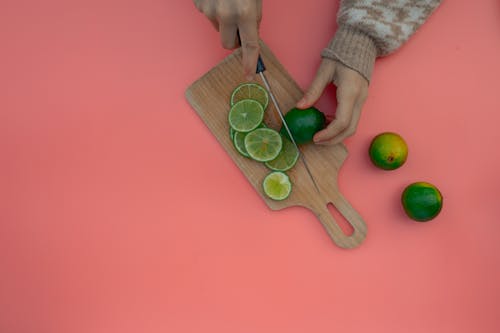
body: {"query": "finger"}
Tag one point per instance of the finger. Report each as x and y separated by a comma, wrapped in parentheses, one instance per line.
(197, 4)
(215, 23)
(324, 76)
(259, 12)
(228, 35)
(351, 129)
(249, 35)
(209, 12)
(346, 97)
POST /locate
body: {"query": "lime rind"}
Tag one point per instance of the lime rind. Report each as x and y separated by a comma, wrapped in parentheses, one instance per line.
(286, 159)
(246, 115)
(277, 185)
(239, 143)
(252, 91)
(263, 144)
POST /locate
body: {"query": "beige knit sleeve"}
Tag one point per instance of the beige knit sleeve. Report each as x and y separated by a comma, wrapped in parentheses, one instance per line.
(371, 28)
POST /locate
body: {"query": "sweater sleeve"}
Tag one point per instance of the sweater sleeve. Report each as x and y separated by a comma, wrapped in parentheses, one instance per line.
(371, 28)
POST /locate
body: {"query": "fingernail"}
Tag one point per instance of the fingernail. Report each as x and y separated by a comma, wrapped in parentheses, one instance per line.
(249, 77)
(317, 140)
(301, 103)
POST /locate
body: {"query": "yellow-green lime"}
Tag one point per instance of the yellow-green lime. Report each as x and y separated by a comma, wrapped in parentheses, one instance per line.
(246, 115)
(250, 91)
(286, 159)
(422, 201)
(263, 144)
(388, 151)
(277, 185)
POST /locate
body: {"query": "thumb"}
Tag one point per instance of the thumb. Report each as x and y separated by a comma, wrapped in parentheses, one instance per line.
(323, 77)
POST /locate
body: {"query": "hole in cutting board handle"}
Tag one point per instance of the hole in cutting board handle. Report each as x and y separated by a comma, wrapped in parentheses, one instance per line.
(342, 222)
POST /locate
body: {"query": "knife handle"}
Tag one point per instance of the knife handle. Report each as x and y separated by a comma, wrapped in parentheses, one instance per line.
(260, 64)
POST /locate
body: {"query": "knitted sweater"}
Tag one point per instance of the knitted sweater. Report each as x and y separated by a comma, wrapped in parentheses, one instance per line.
(371, 28)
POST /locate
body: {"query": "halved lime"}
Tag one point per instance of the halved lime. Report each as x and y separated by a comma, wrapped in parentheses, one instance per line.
(277, 185)
(287, 157)
(263, 144)
(239, 143)
(246, 115)
(250, 91)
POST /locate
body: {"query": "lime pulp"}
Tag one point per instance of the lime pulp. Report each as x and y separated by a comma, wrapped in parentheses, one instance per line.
(246, 115)
(263, 144)
(277, 185)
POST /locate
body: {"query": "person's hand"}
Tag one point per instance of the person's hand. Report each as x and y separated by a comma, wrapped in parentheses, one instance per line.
(352, 91)
(229, 16)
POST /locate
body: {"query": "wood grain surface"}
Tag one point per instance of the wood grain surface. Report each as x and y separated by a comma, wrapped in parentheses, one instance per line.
(209, 96)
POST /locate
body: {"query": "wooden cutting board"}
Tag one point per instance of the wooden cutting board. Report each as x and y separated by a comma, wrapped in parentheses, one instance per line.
(210, 95)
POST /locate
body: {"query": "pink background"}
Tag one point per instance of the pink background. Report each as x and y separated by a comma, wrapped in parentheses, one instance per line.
(119, 211)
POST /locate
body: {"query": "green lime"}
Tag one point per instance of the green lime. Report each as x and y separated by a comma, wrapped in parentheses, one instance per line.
(250, 91)
(388, 151)
(277, 185)
(263, 144)
(422, 201)
(239, 143)
(287, 157)
(246, 115)
(238, 139)
(303, 124)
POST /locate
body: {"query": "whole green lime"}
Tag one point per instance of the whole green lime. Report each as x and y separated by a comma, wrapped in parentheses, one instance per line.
(422, 201)
(303, 124)
(388, 151)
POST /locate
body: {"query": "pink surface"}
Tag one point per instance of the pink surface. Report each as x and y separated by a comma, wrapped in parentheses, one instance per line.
(119, 211)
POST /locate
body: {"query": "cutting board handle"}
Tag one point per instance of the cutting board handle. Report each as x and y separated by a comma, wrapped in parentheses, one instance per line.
(332, 227)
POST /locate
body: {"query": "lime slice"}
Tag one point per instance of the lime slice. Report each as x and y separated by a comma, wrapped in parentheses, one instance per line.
(287, 157)
(250, 91)
(239, 143)
(263, 144)
(277, 185)
(246, 115)
(238, 139)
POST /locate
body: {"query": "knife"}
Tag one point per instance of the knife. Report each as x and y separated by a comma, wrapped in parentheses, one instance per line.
(261, 68)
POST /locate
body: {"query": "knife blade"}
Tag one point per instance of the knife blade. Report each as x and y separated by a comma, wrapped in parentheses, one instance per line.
(260, 70)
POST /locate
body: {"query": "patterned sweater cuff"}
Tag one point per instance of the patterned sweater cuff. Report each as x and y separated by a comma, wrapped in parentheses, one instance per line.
(354, 49)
